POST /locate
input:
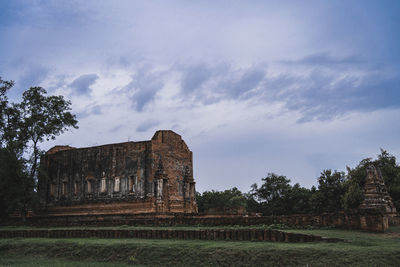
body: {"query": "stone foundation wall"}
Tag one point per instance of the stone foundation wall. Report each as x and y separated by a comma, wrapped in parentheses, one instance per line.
(209, 234)
(370, 222)
(375, 222)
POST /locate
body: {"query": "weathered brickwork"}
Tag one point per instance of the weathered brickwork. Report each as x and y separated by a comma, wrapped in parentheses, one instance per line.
(206, 234)
(151, 183)
(339, 219)
(376, 196)
(154, 176)
(377, 208)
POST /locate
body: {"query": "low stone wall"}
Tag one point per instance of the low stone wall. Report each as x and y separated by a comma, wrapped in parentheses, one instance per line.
(367, 221)
(337, 219)
(207, 234)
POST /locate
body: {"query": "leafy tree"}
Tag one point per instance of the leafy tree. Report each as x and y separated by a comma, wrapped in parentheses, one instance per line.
(353, 195)
(16, 191)
(298, 200)
(354, 185)
(276, 196)
(274, 187)
(336, 191)
(220, 200)
(391, 175)
(43, 118)
(356, 179)
(23, 126)
(5, 86)
(272, 194)
(330, 192)
(200, 202)
(252, 203)
(6, 113)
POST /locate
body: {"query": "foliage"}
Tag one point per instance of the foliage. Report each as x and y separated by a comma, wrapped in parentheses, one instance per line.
(299, 200)
(272, 194)
(43, 118)
(328, 198)
(276, 196)
(353, 196)
(356, 178)
(15, 189)
(220, 200)
(5, 86)
(9, 120)
(391, 175)
(274, 187)
(336, 190)
(23, 126)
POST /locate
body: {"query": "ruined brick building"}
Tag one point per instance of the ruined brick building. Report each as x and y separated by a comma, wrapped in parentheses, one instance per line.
(377, 208)
(152, 177)
(376, 196)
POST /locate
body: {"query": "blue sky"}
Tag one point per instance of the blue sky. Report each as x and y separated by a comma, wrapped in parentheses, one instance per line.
(291, 87)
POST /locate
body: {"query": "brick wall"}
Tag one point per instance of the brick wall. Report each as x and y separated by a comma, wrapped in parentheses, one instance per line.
(97, 180)
(209, 234)
(370, 222)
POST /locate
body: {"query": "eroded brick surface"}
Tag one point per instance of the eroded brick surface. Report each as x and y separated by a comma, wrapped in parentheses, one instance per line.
(376, 196)
(202, 234)
(154, 176)
(377, 207)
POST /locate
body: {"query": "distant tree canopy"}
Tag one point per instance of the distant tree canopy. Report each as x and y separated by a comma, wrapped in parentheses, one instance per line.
(336, 190)
(328, 197)
(276, 196)
(220, 200)
(356, 179)
(23, 126)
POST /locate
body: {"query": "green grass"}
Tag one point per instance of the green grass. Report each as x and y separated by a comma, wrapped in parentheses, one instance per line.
(358, 249)
(44, 262)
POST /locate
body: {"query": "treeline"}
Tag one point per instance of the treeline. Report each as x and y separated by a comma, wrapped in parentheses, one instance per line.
(335, 191)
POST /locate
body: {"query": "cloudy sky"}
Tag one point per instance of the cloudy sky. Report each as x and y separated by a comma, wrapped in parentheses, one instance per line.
(291, 87)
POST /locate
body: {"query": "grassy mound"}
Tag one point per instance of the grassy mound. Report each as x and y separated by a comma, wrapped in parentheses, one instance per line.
(359, 249)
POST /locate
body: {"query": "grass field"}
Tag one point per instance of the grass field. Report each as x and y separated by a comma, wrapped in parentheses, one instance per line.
(358, 249)
(46, 262)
